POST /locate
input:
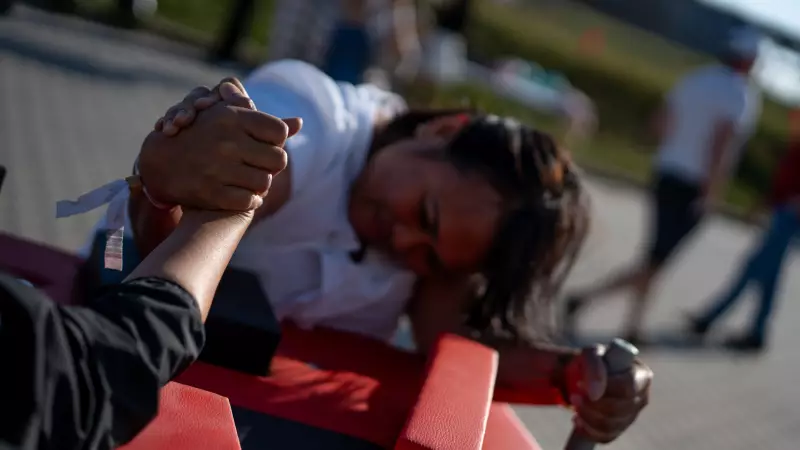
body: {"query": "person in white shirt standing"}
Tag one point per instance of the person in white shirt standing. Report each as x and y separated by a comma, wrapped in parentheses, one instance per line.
(703, 125)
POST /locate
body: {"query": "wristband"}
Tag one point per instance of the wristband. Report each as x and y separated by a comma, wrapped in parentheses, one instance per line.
(156, 204)
(115, 194)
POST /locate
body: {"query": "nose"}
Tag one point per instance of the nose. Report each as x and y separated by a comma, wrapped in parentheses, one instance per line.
(405, 238)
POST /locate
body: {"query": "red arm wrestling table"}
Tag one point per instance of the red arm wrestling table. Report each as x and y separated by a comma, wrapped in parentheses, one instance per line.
(326, 389)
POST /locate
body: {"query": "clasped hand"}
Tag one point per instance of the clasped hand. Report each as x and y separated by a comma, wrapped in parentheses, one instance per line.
(225, 160)
(605, 404)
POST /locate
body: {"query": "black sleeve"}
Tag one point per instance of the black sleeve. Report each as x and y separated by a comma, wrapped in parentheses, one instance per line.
(89, 377)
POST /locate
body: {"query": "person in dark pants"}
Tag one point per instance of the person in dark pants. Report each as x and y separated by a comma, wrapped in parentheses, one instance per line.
(239, 23)
(764, 265)
(351, 48)
(706, 119)
(89, 376)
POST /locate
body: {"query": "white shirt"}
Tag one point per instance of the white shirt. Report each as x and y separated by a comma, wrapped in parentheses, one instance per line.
(301, 254)
(696, 104)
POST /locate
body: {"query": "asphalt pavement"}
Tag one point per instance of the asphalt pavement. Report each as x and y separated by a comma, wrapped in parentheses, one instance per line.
(76, 100)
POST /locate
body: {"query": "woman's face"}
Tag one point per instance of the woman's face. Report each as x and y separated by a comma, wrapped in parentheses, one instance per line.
(422, 211)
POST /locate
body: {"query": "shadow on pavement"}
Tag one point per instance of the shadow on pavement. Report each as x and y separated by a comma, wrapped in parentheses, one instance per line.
(671, 340)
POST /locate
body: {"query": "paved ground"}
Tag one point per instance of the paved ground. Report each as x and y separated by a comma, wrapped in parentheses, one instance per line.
(76, 100)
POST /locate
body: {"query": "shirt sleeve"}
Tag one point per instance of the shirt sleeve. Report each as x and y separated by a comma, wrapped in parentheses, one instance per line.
(89, 377)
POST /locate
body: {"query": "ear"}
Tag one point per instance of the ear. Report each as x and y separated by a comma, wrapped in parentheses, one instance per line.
(444, 127)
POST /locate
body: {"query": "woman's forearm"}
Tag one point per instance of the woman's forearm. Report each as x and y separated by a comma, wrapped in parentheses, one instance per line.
(524, 367)
(151, 226)
(196, 254)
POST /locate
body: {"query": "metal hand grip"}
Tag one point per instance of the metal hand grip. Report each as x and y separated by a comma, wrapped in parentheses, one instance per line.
(619, 358)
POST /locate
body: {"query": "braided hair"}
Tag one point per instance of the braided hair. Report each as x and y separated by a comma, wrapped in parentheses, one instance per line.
(544, 222)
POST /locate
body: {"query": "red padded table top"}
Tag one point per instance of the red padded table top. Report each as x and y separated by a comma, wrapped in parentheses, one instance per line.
(189, 419)
(354, 386)
(358, 387)
(349, 385)
(452, 408)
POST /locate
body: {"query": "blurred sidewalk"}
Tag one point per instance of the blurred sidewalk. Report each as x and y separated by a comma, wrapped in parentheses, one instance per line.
(77, 99)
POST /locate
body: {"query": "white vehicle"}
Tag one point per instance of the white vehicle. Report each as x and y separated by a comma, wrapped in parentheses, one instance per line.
(543, 91)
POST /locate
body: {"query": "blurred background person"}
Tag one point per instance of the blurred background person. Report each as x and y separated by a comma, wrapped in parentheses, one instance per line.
(707, 117)
(579, 115)
(765, 263)
(237, 27)
(370, 36)
(351, 48)
(289, 36)
(354, 41)
(446, 45)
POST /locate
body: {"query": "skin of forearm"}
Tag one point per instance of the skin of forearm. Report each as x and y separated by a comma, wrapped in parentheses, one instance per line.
(529, 366)
(151, 226)
(196, 254)
(533, 367)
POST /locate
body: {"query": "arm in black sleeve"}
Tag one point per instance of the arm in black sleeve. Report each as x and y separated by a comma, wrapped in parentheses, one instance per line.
(89, 377)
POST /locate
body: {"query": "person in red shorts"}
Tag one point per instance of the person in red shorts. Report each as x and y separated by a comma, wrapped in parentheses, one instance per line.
(764, 265)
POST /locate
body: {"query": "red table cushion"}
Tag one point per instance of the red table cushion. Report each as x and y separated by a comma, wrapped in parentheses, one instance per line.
(353, 385)
(189, 419)
(356, 386)
(452, 409)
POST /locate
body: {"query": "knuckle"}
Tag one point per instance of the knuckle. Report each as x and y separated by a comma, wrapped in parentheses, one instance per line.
(282, 129)
(220, 117)
(227, 149)
(233, 80)
(199, 91)
(243, 203)
(280, 158)
(241, 102)
(283, 158)
(263, 182)
(173, 111)
(226, 116)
